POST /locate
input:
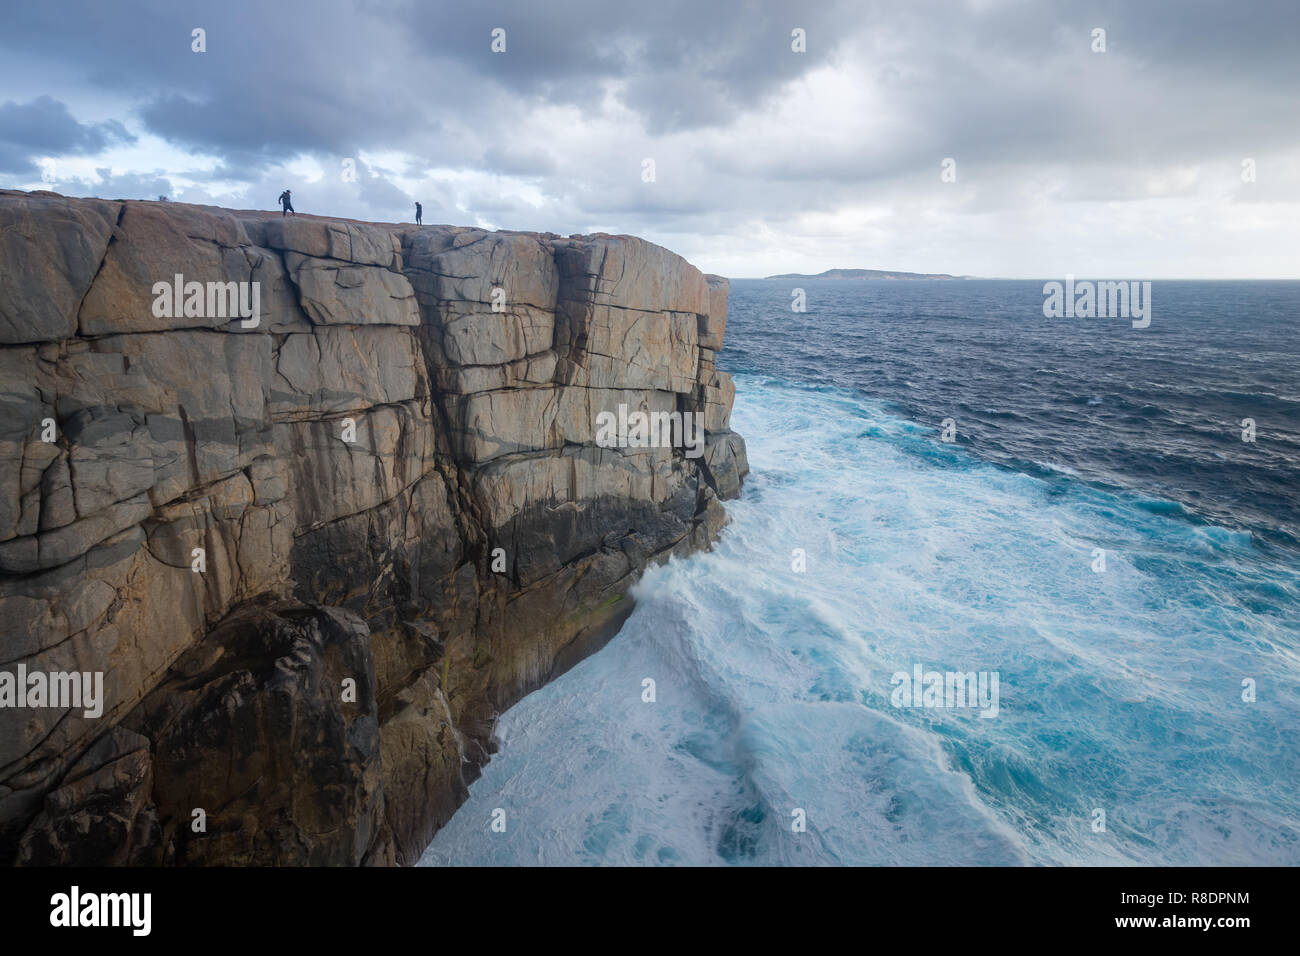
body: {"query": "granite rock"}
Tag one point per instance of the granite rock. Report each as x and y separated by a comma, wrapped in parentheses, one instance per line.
(392, 479)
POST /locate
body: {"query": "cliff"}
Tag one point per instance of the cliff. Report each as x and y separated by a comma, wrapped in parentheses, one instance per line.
(314, 552)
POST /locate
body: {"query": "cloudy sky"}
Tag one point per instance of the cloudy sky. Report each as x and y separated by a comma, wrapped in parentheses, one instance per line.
(1123, 163)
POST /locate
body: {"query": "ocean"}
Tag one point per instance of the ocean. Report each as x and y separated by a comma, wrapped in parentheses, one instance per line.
(1096, 539)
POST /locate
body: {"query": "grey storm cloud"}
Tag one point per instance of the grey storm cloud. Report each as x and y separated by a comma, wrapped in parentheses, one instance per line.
(993, 79)
(685, 64)
(586, 88)
(45, 127)
(333, 75)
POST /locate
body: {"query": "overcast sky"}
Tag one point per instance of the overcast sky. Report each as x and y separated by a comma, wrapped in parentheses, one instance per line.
(1126, 163)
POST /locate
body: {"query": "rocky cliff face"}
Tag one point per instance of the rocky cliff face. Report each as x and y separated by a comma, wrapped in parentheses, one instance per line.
(315, 556)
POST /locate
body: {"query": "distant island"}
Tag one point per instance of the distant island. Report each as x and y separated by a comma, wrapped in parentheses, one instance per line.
(866, 274)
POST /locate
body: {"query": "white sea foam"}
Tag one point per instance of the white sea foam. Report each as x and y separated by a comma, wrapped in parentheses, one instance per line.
(1120, 690)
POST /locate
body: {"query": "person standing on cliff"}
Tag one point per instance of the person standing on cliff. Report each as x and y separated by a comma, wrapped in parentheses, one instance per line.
(286, 203)
(419, 214)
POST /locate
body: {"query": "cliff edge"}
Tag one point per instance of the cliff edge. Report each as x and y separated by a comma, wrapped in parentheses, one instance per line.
(313, 545)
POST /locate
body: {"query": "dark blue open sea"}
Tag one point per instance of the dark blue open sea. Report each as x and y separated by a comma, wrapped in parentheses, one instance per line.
(1148, 710)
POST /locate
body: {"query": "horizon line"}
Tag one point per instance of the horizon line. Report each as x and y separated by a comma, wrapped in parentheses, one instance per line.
(924, 277)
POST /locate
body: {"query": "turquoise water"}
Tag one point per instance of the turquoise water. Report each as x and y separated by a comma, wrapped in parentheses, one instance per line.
(1119, 690)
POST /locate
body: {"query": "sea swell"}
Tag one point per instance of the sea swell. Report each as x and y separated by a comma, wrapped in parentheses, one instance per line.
(1121, 690)
(1162, 410)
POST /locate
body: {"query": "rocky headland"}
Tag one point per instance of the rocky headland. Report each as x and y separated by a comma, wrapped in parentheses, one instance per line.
(315, 554)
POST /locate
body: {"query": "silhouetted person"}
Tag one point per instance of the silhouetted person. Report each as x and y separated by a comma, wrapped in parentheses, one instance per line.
(284, 201)
(419, 214)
